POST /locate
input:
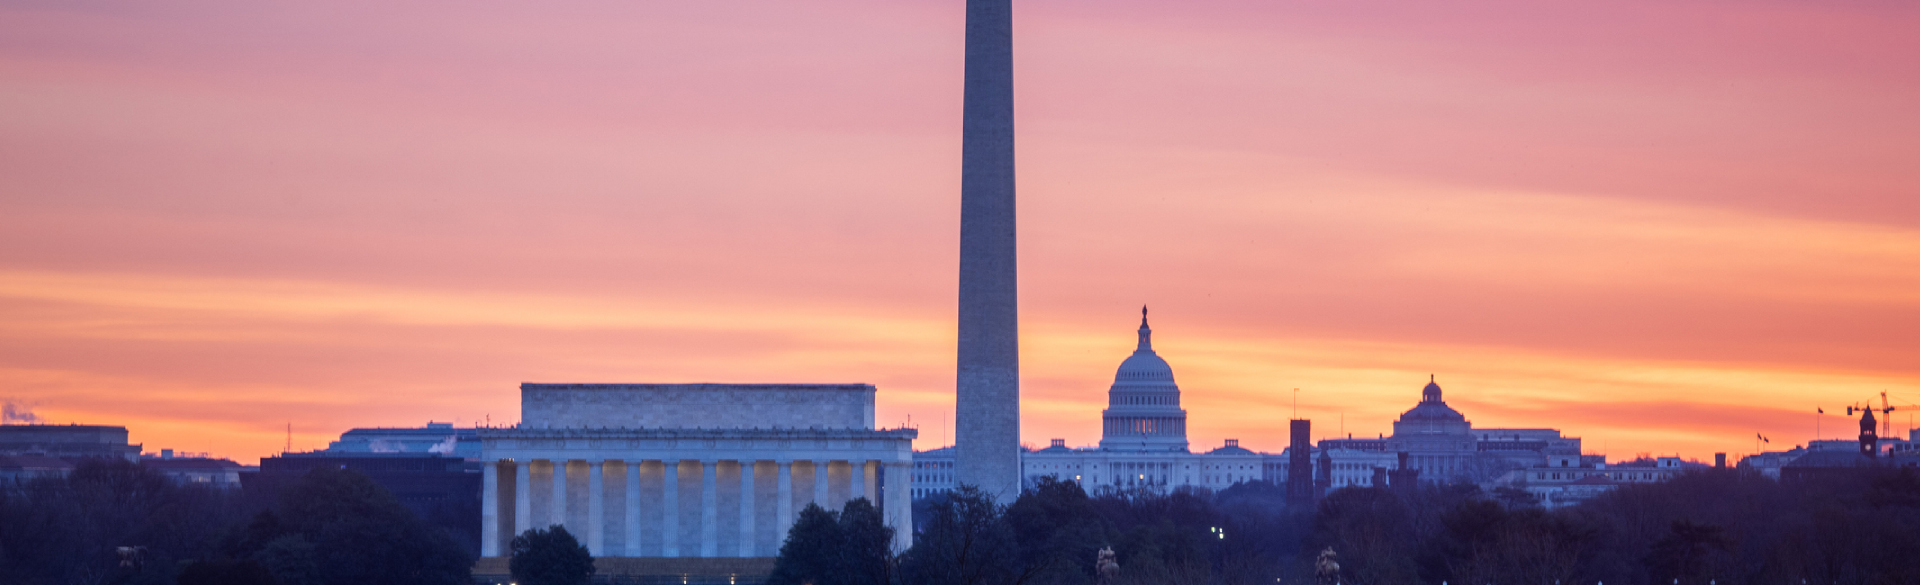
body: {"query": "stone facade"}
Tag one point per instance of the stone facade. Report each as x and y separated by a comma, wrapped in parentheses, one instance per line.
(700, 474)
(709, 406)
(71, 442)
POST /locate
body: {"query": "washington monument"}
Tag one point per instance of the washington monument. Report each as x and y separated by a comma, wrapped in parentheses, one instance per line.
(986, 427)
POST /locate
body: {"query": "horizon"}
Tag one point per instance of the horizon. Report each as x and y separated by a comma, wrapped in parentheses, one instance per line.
(1659, 228)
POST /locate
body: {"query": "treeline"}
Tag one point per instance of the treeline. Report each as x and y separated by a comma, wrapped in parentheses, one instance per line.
(114, 522)
(1849, 527)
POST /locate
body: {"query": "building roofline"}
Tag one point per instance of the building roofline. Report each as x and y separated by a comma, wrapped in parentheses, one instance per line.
(693, 386)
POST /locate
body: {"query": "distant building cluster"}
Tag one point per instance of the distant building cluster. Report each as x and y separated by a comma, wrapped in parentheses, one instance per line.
(32, 451)
(1144, 446)
(706, 478)
(1824, 455)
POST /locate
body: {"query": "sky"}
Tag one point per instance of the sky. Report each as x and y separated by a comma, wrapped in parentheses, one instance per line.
(1663, 227)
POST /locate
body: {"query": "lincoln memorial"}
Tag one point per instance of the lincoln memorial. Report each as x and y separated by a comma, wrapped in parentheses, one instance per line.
(688, 470)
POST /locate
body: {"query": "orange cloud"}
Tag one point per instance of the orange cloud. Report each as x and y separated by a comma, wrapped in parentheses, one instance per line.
(1658, 227)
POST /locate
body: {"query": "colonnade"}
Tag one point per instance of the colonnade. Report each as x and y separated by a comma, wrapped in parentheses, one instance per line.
(675, 507)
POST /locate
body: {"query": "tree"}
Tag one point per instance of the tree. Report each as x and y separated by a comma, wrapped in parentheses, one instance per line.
(336, 527)
(1374, 532)
(1059, 531)
(811, 553)
(550, 557)
(851, 547)
(866, 557)
(1483, 542)
(226, 572)
(71, 529)
(1688, 551)
(967, 541)
(1513, 497)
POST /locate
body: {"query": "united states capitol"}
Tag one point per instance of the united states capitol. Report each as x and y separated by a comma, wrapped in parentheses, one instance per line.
(1144, 446)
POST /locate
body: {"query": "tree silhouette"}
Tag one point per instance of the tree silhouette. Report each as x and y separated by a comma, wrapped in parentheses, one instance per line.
(549, 556)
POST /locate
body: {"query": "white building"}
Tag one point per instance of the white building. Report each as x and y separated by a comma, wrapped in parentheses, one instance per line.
(1143, 445)
(1565, 482)
(436, 437)
(1143, 440)
(666, 471)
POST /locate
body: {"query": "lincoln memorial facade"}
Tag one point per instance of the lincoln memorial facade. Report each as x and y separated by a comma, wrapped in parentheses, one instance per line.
(688, 470)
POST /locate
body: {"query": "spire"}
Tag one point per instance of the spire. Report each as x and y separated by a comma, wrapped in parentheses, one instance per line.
(1146, 335)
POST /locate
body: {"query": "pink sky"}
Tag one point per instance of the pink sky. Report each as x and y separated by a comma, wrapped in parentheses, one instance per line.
(1659, 226)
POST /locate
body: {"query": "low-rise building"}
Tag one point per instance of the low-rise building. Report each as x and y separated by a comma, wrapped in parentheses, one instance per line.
(1568, 482)
(197, 469)
(436, 437)
(68, 442)
(20, 469)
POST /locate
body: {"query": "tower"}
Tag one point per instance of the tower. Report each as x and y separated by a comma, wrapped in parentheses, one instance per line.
(986, 426)
(1300, 464)
(1143, 406)
(1869, 440)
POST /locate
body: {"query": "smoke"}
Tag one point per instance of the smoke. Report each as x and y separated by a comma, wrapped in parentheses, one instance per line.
(444, 447)
(384, 446)
(17, 412)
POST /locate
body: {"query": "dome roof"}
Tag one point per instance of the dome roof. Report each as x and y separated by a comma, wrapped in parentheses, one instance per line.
(1433, 411)
(1431, 407)
(1145, 367)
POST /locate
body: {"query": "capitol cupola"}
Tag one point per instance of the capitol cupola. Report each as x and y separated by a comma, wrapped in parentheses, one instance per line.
(1143, 405)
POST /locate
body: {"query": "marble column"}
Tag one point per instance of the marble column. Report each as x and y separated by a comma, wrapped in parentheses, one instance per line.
(633, 508)
(898, 511)
(783, 502)
(558, 515)
(670, 509)
(490, 509)
(522, 497)
(709, 510)
(856, 480)
(596, 509)
(820, 484)
(746, 509)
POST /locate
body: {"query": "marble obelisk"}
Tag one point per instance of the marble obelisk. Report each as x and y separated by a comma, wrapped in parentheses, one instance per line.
(987, 393)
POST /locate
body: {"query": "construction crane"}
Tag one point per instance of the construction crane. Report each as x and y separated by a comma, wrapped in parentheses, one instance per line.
(1910, 408)
(1886, 421)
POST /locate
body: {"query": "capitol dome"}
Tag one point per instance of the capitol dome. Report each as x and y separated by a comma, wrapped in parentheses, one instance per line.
(1145, 369)
(1143, 405)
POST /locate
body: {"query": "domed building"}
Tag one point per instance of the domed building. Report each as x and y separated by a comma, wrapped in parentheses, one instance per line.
(1143, 441)
(1437, 439)
(1443, 445)
(1143, 444)
(1143, 405)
